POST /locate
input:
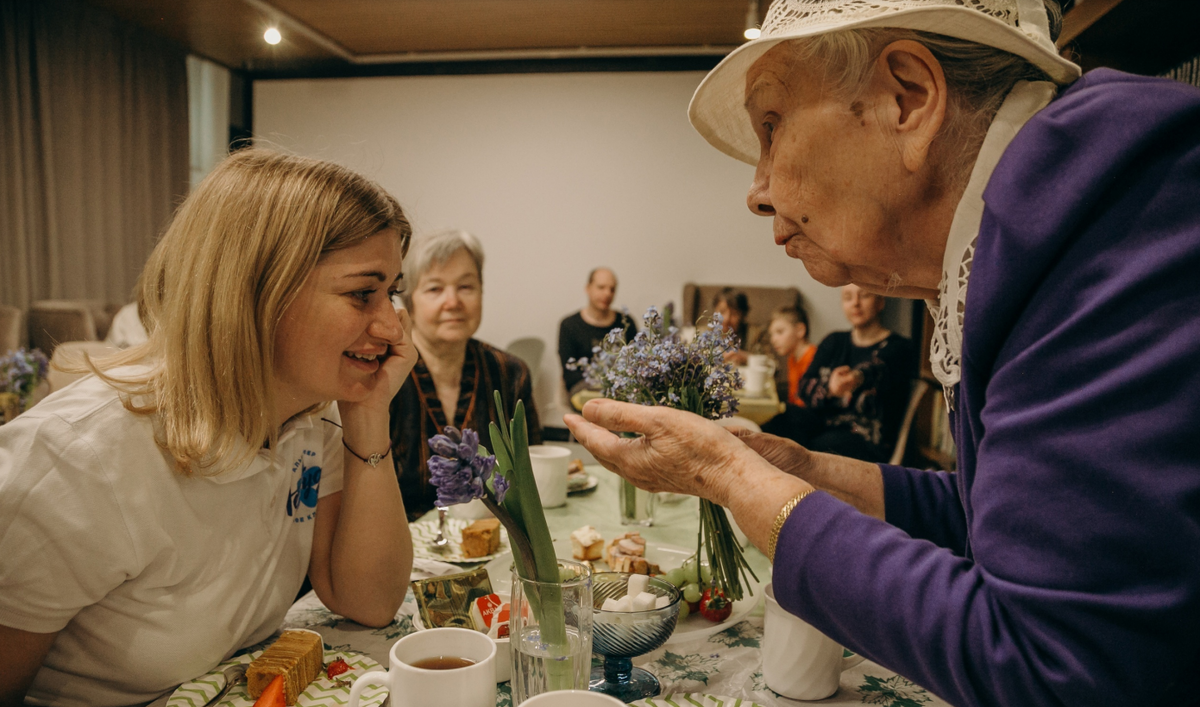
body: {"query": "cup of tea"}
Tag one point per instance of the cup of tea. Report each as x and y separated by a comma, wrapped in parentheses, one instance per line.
(550, 473)
(799, 661)
(572, 698)
(440, 666)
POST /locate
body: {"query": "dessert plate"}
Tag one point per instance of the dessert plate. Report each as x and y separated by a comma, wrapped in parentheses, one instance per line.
(319, 693)
(423, 532)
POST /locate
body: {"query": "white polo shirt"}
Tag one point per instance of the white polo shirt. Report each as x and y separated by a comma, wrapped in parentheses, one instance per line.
(152, 578)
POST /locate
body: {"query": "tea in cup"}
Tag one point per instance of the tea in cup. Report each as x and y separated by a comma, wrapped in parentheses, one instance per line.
(440, 666)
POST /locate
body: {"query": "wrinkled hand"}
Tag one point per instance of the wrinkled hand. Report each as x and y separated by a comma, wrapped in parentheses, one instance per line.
(678, 451)
(843, 381)
(780, 452)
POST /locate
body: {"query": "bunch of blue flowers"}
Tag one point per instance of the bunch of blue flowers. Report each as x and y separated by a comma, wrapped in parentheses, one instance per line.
(659, 368)
(21, 371)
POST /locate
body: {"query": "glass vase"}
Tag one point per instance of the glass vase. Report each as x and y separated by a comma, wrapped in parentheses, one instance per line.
(636, 505)
(550, 629)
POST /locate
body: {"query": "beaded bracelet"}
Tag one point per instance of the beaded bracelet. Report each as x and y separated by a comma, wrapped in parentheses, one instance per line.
(781, 519)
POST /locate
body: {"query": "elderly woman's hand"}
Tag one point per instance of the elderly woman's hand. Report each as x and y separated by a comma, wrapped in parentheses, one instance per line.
(678, 451)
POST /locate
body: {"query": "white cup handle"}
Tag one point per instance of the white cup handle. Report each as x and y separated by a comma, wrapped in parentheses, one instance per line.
(375, 677)
(849, 661)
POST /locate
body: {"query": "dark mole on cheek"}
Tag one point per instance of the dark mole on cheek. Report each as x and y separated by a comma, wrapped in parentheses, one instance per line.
(803, 219)
(699, 479)
(857, 109)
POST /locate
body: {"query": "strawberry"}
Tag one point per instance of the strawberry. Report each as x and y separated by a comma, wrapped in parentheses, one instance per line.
(336, 668)
(715, 606)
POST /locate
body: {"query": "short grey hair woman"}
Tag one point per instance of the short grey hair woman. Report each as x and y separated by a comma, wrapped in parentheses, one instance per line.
(455, 375)
(913, 147)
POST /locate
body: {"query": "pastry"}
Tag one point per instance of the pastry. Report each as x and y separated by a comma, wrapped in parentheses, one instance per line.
(481, 538)
(587, 544)
(296, 655)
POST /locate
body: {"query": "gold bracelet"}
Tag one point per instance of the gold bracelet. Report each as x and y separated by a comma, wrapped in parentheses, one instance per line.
(781, 519)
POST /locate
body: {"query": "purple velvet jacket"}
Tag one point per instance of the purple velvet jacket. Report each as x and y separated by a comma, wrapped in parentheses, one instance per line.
(1061, 564)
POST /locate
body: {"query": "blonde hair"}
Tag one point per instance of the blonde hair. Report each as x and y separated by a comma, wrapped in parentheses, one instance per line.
(214, 289)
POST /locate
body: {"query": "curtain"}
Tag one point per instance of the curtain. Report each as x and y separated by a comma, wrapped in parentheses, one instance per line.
(93, 150)
(208, 113)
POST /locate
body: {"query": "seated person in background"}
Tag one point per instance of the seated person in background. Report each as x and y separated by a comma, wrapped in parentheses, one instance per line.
(126, 329)
(856, 388)
(734, 306)
(583, 330)
(789, 339)
(455, 375)
(160, 515)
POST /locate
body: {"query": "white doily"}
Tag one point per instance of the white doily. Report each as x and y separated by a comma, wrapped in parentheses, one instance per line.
(945, 350)
(786, 16)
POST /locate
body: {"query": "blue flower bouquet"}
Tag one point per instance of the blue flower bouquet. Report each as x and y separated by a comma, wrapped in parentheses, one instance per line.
(659, 368)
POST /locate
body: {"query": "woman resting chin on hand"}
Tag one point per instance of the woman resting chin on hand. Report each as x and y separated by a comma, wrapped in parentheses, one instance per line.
(162, 513)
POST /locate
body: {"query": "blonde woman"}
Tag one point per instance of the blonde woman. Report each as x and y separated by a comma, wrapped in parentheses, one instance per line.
(162, 514)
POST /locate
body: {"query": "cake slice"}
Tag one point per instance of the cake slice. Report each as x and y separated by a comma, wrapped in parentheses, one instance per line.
(296, 655)
(481, 538)
(587, 544)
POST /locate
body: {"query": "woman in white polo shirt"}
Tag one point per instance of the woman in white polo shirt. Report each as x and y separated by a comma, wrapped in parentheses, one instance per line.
(162, 514)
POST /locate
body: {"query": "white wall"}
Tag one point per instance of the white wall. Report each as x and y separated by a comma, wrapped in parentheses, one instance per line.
(556, 174)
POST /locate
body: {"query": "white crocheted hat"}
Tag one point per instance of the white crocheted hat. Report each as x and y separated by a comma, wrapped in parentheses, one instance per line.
(1017, 26)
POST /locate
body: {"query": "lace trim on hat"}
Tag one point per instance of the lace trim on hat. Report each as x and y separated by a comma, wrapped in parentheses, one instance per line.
(789, 16)
(949, 310)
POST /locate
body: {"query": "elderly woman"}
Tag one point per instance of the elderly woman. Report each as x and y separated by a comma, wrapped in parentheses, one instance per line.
(455, 375)
(162, 514)
(915, 148)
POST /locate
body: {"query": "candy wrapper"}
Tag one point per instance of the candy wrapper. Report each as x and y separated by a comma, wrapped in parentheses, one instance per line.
(446, 600)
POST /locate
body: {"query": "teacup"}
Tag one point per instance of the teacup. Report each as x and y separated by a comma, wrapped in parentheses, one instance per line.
(799, 661)
(572, 698)
(550, 472)
(409, 686)
(503, 664)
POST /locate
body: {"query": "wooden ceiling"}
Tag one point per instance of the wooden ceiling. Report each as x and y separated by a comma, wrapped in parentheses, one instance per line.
(349, 36)
(391, 31)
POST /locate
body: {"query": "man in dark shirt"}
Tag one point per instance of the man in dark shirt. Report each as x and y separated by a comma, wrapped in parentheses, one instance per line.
(581, 331)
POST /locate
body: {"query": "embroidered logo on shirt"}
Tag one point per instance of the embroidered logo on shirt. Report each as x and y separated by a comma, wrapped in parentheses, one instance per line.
(302, 501)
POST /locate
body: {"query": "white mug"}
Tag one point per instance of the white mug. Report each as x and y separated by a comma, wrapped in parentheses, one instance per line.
(572, 698)
(799, 661)
(550, 472)
(410, 686)
(469, 511)
(756, 380)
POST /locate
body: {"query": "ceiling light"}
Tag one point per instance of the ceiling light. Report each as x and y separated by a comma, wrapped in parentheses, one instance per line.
(752, 30)
(272, 36)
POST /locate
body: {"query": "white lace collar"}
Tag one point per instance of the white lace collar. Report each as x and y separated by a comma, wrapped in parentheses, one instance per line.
(945, 350)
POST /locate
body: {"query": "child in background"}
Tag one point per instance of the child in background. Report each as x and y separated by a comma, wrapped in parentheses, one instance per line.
(789, 339)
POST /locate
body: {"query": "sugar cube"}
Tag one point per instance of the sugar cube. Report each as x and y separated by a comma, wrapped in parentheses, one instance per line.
(644, 601)
(610, 604)
(638, 584)
(660, 602)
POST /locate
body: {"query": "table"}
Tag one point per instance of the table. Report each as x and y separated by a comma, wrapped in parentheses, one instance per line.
(758, 408)
(727, 663)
